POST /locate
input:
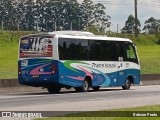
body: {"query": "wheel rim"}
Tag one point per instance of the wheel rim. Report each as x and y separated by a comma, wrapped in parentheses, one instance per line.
(85, 86)
(128, 84)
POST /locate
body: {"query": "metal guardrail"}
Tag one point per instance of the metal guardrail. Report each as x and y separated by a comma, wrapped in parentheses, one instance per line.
(145, 77)
(150, 79)
(8, 83)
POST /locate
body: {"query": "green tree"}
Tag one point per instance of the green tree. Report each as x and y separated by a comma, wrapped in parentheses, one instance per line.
(152, 25)
(71, 15)
(3, 12)
(6, 13)
(100, 19)
(87, 8)
(130, 25)
(30, 15)
(20, 15)
(52, 15)
(94, 15)
(40, 15)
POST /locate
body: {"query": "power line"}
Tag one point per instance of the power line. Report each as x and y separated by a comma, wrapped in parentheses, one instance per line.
(109, 1)
(119, 2)
(155, 1)
(149, 5)
(152, 4)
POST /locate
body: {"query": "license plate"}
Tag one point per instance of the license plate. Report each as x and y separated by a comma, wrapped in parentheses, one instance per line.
(24, 63)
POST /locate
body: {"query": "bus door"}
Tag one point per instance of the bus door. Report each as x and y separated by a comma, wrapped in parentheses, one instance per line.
(121, 72)
(121, 65)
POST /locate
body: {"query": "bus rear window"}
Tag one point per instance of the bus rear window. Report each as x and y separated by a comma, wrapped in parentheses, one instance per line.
(35, 47)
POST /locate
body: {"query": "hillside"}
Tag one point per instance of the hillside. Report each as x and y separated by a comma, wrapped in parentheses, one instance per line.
(148, 49)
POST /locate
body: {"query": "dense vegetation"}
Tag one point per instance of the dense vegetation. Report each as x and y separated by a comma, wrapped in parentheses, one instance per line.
(148, 49)
(49, 15)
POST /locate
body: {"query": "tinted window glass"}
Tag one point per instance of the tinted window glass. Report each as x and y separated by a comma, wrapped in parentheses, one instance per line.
(67, 49)
(93, 50)
(131, 53)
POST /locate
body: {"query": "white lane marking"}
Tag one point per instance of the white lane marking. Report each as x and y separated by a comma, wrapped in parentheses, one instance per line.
(20, 96)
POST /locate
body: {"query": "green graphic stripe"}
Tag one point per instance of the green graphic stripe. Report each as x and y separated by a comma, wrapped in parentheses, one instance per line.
(68, 63)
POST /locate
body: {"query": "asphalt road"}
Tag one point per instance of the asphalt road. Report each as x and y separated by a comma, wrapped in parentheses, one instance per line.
(109, 98)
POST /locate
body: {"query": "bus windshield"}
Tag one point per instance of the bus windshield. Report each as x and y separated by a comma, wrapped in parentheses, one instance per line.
(35, 47)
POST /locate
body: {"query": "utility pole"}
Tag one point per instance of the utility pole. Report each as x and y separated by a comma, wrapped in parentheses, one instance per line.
(2, 19)
(46, 24)
(117, 28)
(37, 25)
(55, 25)
(18, 25)
(158, 25)
(71, 26)
(136, 24)
(79, 23)
(2, 25)
(87, 23)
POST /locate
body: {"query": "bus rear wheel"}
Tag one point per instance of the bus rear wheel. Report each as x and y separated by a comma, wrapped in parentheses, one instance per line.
(84, 88)
(127, 85)
(78, 89)
(54, 89)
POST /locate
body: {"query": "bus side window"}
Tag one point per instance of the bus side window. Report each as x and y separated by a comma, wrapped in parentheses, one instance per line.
(81, 49)
(113, 51)
(121, 50)
(130, 53)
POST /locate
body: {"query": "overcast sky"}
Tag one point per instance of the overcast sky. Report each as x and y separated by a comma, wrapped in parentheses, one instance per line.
(119, 10)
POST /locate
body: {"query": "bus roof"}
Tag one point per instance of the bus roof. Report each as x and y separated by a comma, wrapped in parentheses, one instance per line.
(77, 34)
(86, 35)
(74, 33)
(96, 38)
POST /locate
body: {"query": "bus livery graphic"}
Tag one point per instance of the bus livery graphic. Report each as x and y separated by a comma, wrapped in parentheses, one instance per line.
(77, 59)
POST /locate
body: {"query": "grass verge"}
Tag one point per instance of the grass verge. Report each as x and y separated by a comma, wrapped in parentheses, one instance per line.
(148, 50)
(148, 110)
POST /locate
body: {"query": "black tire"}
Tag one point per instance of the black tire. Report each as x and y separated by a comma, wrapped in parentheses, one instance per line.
(96, 88)
(54, 89)
(67, 87)
(78, 89)
(127, 85)
(84, 88)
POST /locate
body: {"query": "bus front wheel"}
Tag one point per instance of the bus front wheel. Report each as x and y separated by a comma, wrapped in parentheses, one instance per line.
(54, 89)
(127, 85)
